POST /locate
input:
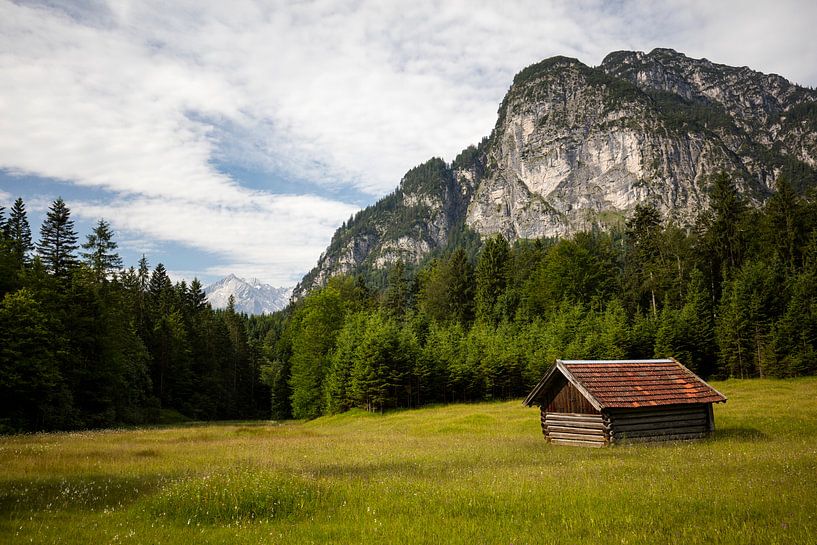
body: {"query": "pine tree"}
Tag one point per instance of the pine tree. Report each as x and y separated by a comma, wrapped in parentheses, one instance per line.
(196, 295)
(19, 233)
(461, 287)
(491, 278)
(725, 234)
(337, 396)
(101, 256)
(160, 292)
(643, 255)
(58, 240)
(395, 300)
(784, 218)
(28, 371)
(144, 274)
(320, 317)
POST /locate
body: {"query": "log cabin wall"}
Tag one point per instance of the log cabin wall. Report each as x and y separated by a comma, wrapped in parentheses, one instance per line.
(672, 422)
(565, 398)
(590, 430)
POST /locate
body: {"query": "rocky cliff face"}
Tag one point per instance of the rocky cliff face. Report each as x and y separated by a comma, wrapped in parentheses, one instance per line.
(576, 146)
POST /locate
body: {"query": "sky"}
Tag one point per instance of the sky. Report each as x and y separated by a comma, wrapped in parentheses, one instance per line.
(235, 137)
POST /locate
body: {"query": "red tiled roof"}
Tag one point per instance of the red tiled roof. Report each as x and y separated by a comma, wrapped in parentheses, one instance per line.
(641, 383)
(631, 383)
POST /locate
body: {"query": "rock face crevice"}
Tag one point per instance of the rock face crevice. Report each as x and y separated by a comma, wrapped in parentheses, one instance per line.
(576, 147)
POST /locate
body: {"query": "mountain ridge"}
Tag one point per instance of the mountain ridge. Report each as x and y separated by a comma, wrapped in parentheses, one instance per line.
(576, 146)
(251, 296)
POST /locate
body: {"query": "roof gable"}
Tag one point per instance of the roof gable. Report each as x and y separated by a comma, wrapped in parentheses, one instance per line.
(609, 384)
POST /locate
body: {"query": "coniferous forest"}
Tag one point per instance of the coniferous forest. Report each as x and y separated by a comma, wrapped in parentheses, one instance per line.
(86, 343)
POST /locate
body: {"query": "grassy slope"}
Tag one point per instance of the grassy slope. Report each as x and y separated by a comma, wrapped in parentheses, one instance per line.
(456, 474)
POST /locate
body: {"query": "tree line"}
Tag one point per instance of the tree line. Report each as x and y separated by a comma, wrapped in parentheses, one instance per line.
(734, 295)
(85, 343)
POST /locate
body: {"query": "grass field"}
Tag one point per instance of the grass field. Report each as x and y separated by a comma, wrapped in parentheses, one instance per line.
(456, 474)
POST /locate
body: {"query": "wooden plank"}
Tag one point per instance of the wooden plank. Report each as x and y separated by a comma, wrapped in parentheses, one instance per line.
(577, 431)
(661, 424)
(574, 443)
(657, 433)
(619, 413)
(646, 427)
(566, 372)
(666, 429)
(578, 436)
(574, 417)
(588, 425)
(661, 418)
(657, 438)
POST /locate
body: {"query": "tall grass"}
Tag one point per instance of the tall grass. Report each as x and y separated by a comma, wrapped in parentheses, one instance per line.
(477, 473)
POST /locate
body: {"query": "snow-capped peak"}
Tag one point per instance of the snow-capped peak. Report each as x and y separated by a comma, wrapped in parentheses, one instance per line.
(251, 297)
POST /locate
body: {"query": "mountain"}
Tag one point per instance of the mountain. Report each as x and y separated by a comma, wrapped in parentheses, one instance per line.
(576, 147)
(251, 297)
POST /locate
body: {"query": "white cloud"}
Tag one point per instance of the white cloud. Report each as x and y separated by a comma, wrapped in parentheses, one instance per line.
(140, 98)
(270, 237)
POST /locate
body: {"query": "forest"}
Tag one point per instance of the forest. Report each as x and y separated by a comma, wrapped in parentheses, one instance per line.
(86, 343)
(733, 295)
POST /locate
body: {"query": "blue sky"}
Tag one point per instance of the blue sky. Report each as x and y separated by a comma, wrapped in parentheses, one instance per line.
(235, 137)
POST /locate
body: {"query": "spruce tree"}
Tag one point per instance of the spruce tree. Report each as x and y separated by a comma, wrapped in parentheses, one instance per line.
(144, 274)
(18, 232)
(461, 287)
(725, 234)
(58, 240)
(395, 300)
(196, 295)
(101, 254)
(491, 278)
(784, 217)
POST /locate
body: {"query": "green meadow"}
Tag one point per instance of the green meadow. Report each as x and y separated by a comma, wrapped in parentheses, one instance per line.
(470, 473)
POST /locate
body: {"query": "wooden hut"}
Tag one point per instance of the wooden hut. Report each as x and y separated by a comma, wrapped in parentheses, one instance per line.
(598, 402)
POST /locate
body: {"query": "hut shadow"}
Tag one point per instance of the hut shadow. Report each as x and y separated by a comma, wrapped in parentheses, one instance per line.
(742, 433)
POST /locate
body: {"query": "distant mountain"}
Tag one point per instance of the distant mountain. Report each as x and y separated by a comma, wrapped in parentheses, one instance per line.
(577, 147)
(251, 297)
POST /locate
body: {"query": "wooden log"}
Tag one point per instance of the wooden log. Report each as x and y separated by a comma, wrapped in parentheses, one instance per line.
(577, 431)
(578, 436)
(658, 414)
(661, 419)
(657, 438)
(580, 424)
(658, 432)
(700, 422)
(574, 417)
(619, 413)
(575, 443)
(660, 426)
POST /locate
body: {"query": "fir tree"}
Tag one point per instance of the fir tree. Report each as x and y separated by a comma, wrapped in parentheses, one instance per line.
(18, 232)
(58, 240)
(491, 277)
(395, 300)
(196, 295)
(101, 254)
(461, 287)
(143, 274)
(726, 237)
